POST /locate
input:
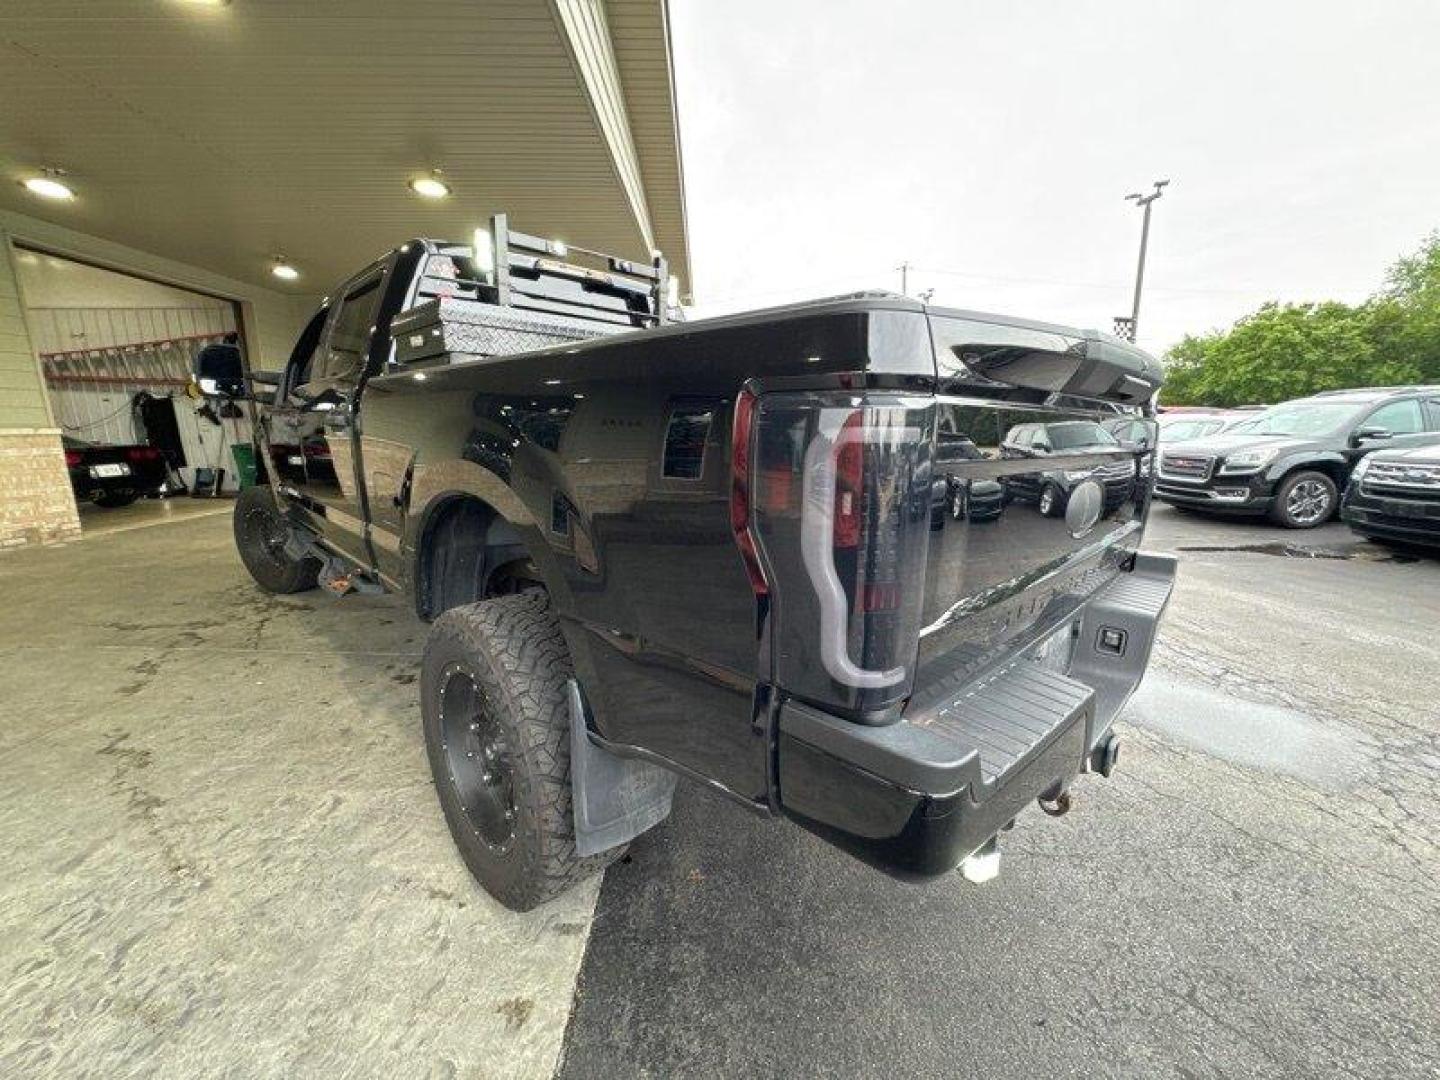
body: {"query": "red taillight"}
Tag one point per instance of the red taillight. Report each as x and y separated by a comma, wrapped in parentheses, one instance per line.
(849, 482)
(841, 514)
(72, 458)
(142, 453)
(742, 431)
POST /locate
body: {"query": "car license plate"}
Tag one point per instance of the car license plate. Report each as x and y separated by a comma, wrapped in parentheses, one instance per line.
(115, 469)
(295, 459)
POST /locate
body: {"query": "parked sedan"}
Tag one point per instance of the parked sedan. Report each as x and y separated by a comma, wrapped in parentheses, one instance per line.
(113, 476)
(1395, 495)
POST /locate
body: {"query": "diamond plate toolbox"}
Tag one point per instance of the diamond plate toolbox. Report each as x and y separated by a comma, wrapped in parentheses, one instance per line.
(436, 327)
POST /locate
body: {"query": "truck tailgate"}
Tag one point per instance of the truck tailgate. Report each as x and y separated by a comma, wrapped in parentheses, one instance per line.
(1023, 536)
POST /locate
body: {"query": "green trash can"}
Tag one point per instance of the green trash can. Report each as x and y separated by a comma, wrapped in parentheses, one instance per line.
(244, 455)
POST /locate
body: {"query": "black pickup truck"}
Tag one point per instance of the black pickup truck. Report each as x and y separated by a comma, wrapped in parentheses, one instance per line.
(769, 553)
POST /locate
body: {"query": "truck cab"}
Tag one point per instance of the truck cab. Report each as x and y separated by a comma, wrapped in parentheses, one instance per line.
(310, 427)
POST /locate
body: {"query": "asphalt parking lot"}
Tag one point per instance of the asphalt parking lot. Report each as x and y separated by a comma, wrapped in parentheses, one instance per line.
(224, 857)
(1253, 893)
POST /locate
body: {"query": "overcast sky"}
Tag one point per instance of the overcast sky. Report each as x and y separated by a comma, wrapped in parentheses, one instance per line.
(826, 141)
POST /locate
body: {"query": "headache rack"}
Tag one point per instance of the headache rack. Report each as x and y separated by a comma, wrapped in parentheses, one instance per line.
(535, 274)
(512, 292)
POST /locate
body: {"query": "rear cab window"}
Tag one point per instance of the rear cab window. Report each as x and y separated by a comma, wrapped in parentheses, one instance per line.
(350, 331)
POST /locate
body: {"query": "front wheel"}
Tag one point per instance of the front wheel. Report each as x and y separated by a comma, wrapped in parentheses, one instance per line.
(497, 732)
(1052, 503)
(1304, 500)
(260, 535)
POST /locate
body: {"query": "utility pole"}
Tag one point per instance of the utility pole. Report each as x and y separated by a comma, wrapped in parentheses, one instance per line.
(904, 269)
(1129, 328)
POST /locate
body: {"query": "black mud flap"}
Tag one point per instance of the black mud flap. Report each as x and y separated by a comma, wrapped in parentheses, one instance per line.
(615, 798)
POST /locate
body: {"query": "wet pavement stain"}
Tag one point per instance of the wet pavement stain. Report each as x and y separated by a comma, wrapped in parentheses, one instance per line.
(1297, 551)
(1322, 752)
(515, 1011)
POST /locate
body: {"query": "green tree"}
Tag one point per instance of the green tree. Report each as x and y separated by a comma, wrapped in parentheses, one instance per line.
(1285, 351)
(1408, 329)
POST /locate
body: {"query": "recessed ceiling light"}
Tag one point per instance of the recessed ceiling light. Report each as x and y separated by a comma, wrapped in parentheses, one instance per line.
(48, 187)
(430, 187)
(283, 270)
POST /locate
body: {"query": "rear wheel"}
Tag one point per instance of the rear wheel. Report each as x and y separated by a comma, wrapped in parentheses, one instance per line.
(260, 535)
(1304, 500)
(497, 731)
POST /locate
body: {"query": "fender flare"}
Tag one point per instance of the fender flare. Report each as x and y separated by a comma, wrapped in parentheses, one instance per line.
(435, 486)
(1288, 463)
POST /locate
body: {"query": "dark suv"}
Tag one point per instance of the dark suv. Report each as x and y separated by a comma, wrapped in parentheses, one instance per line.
(1293, 460)
(1395, 495)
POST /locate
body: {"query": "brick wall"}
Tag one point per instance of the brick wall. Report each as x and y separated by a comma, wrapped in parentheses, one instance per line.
(36, 505)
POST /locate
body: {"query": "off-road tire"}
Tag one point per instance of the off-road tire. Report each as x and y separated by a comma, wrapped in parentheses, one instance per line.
(111, 501)
(259, 537)
(507, 654)
(1292, 513)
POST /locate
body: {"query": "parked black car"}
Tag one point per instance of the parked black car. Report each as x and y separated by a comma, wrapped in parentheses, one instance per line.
(113, 476)
(1050, 489)
(1293, 460)
(1395, 495)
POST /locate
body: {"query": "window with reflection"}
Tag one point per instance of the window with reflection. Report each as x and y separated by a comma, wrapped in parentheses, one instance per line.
(685, 437)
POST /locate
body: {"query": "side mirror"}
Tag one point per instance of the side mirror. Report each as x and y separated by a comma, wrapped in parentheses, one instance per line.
(1367, 434)
(1040, 447)
(219, 371)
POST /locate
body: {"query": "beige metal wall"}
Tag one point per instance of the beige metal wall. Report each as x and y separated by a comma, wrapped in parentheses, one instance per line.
(36, 504)
(22, 394)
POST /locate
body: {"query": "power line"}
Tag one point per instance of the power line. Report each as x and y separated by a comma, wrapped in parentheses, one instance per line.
(1112, 286)
(998, 279)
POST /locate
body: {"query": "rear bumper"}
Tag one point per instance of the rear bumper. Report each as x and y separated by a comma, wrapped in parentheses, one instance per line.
(916, 797)
(135, 482)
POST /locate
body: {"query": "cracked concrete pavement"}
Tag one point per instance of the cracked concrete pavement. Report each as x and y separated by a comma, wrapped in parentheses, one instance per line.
(223, 853)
